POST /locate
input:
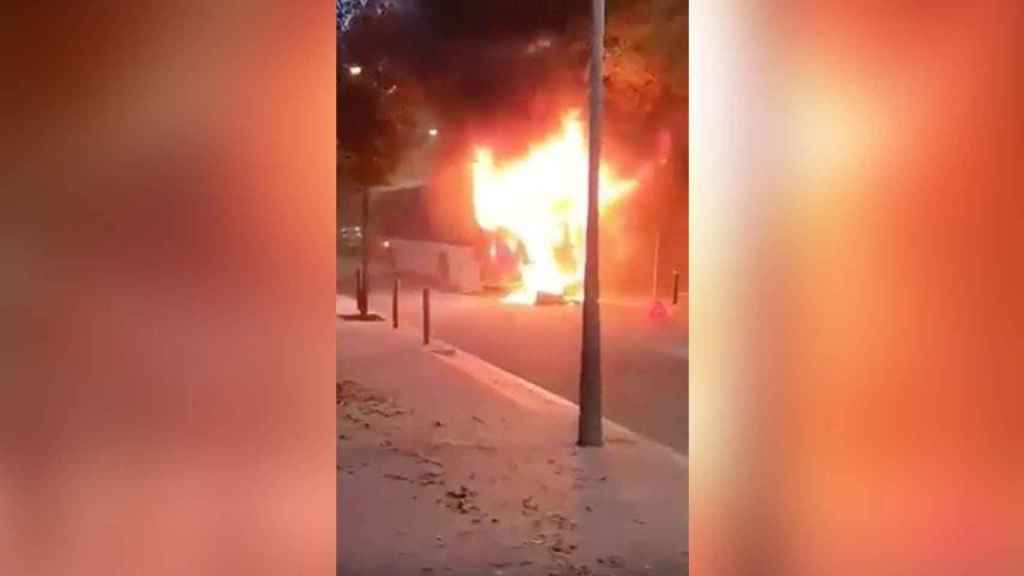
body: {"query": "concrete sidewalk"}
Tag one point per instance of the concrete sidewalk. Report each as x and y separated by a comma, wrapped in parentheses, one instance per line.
(447, 467)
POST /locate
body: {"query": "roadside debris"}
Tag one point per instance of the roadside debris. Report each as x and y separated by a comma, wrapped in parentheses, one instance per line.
(359, 402)
(559, 521)
(461, 500)
(431, 478)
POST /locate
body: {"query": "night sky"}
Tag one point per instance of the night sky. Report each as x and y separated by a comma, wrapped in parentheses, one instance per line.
(469, 54)
(491, 18)
(502, 19)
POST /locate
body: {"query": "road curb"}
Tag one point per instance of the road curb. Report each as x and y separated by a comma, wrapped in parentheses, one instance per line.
(513, 386)
(506, 382)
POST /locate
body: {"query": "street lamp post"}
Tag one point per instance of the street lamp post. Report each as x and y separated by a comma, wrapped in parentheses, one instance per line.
(590, 432)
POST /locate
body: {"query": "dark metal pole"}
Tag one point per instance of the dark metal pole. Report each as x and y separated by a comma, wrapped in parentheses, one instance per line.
(426, 316)
(590, 432)
(394, 306)
(366, 252)
(657, 260)
(675, 287)
(359, 292)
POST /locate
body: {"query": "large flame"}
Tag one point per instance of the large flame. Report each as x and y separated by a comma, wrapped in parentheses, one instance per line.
(540, 200)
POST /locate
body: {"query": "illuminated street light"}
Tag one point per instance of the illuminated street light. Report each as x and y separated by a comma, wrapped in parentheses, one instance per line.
(355, 70)
(433, 132)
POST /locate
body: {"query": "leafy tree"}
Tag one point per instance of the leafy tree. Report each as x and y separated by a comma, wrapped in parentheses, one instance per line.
(646, 95)
(656, 31)
(376, 107)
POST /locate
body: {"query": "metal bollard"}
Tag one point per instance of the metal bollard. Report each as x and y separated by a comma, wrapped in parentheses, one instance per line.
(426, 316)
(675, 287)
(657, 260)
(359, 290)
(394, 306)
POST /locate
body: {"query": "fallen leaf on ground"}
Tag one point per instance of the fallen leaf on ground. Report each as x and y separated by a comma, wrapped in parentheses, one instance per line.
(459, 500)
(560, 521)
(431, 478)
(462, 492)
(423, 459)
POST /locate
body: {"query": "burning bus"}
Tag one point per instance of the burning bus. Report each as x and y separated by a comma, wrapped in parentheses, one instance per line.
(526, 219)
(538, 203)
(419, 247)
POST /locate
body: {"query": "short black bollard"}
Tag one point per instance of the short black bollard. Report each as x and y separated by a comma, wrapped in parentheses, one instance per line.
(394, 306)
(675, 287)
(359, 291)
(426, 316)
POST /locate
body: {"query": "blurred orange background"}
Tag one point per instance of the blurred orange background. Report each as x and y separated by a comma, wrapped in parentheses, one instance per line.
(856, 315)
(168, 246)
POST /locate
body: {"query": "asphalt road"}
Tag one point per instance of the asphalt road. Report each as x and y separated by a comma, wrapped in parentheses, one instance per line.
(644, 360)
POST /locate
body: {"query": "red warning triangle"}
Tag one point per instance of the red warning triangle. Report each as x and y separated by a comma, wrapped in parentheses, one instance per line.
(658, 311)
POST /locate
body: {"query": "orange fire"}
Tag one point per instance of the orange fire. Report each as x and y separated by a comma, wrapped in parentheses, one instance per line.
(540, 200)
